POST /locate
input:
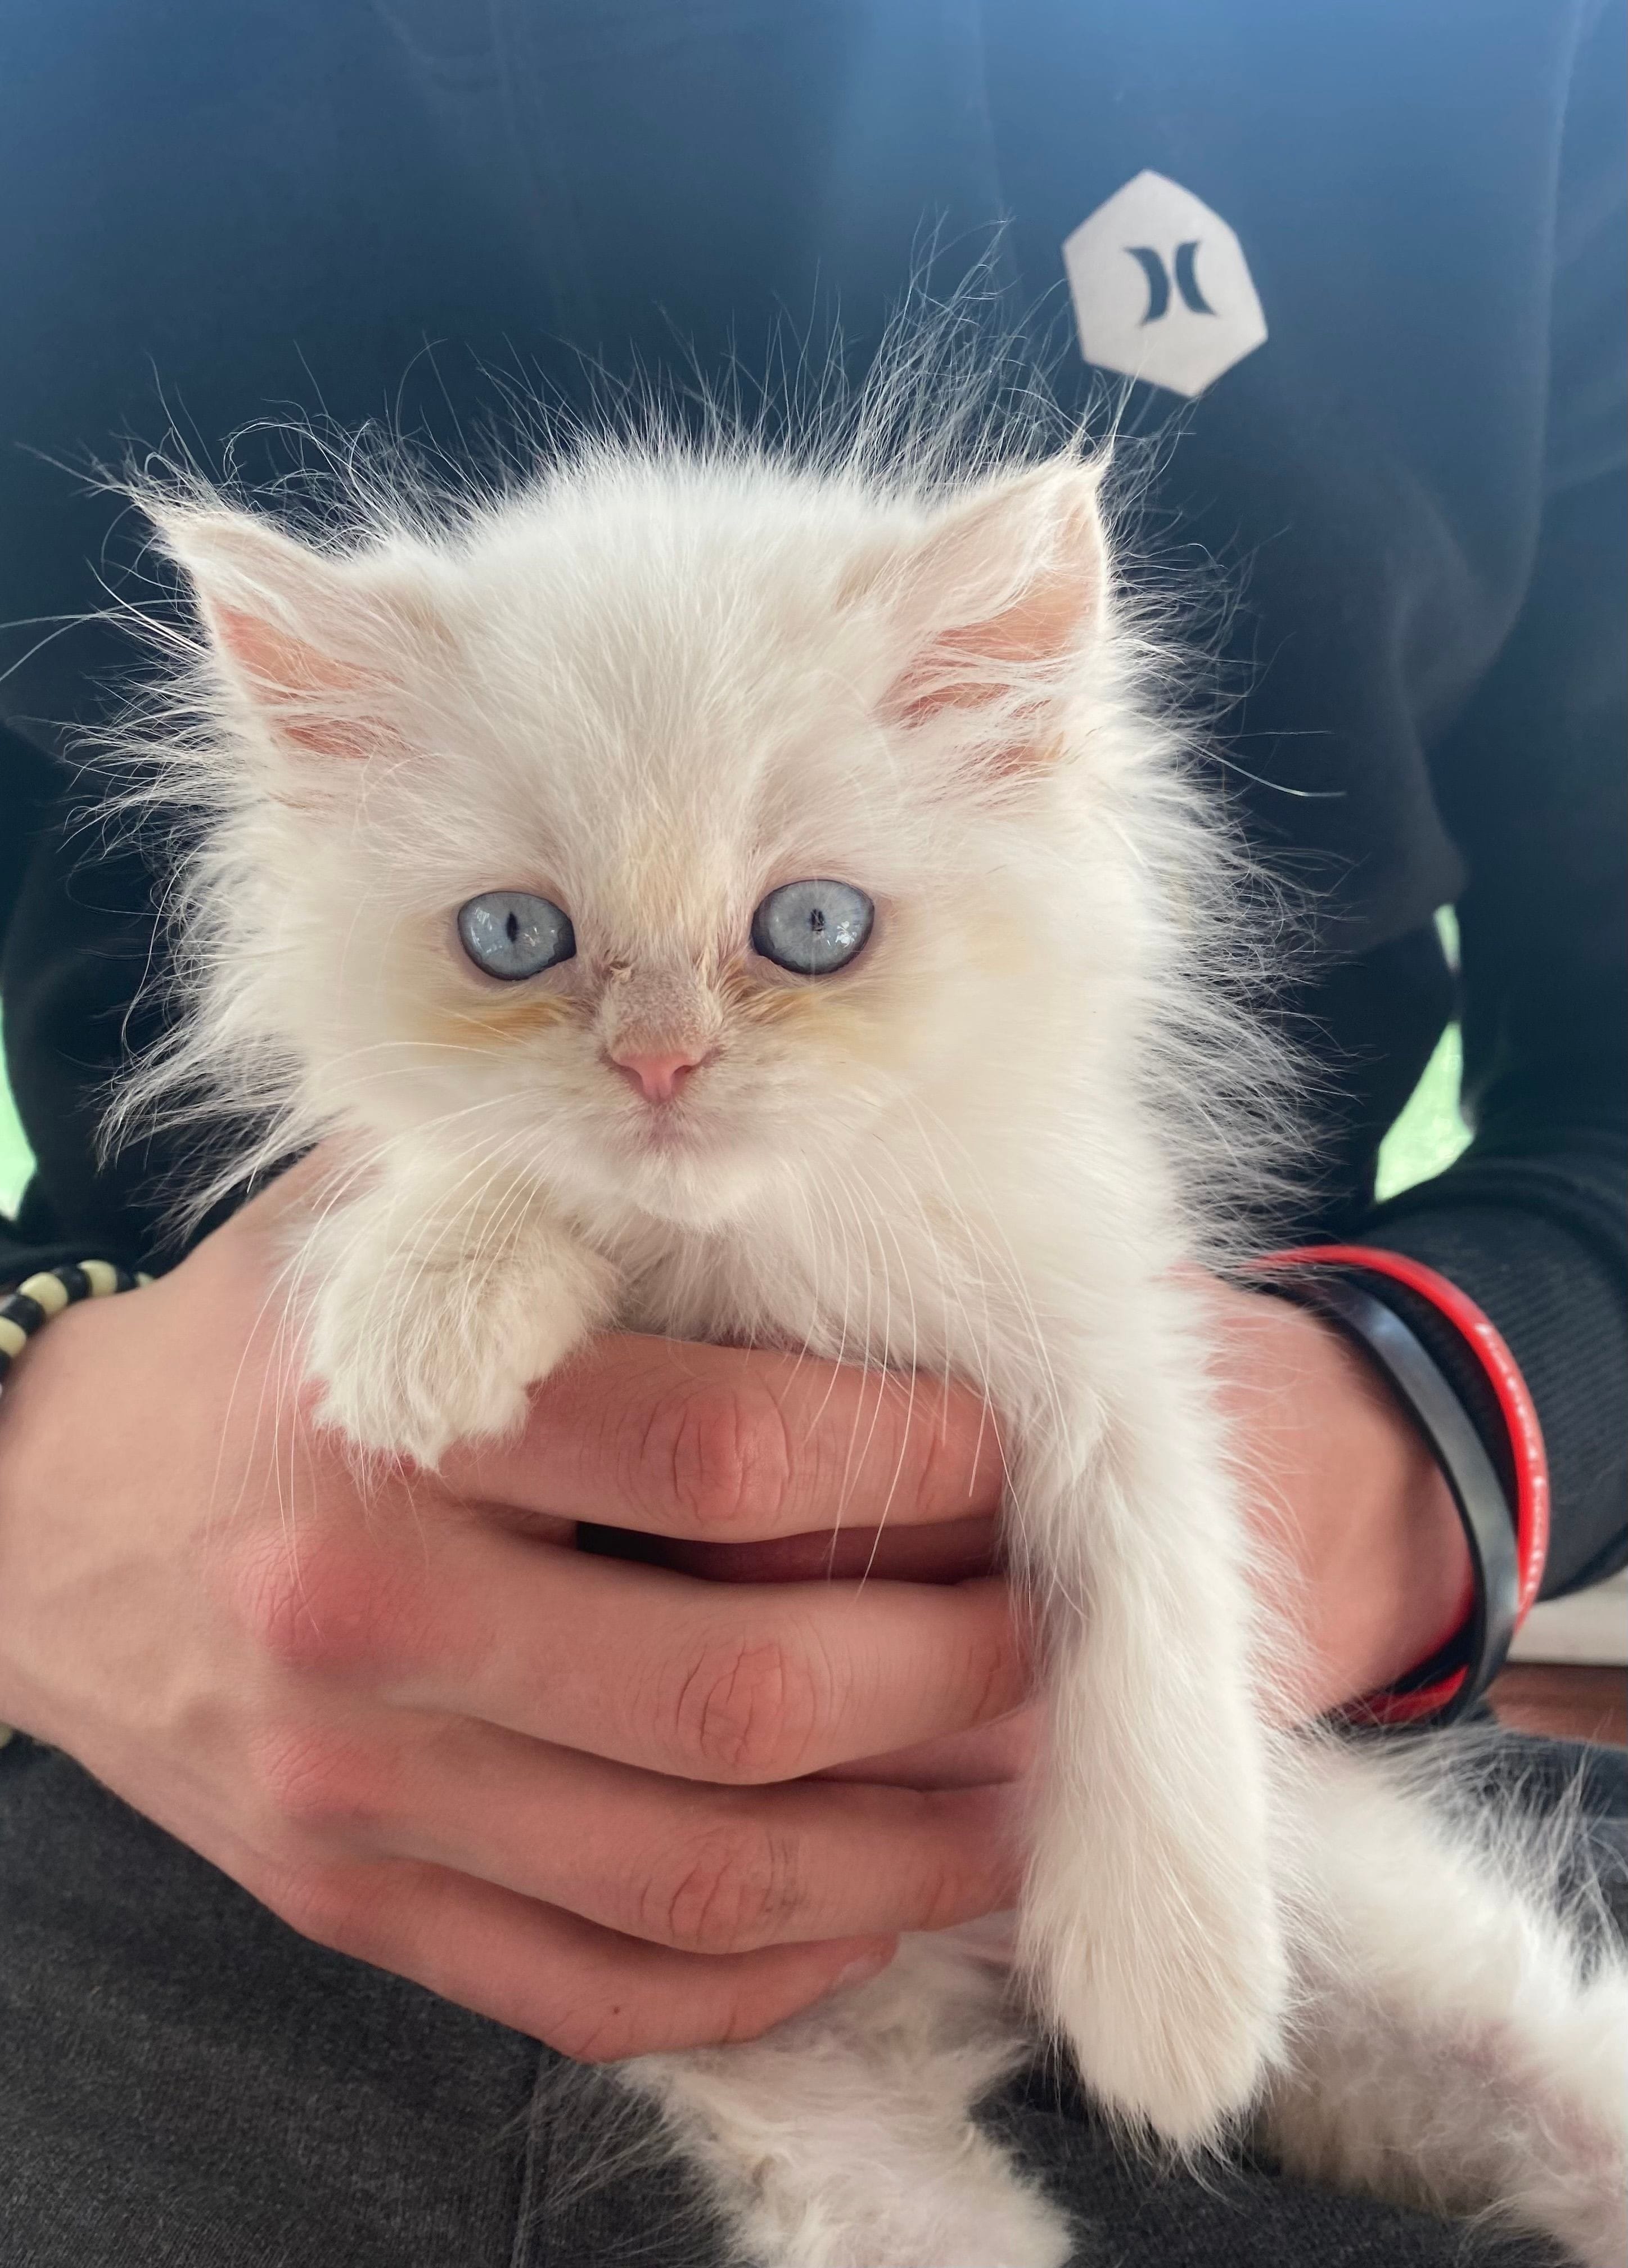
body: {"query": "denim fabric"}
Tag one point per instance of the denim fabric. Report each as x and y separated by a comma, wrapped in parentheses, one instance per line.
(184, 2083)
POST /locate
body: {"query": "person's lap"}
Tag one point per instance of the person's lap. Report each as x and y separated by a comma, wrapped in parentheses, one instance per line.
(184, 2082)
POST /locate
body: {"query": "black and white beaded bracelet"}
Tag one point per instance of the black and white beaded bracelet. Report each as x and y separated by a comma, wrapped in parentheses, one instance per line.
(46, 1294)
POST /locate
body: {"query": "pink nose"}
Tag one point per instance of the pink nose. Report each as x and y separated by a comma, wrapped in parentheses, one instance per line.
(657, 1077)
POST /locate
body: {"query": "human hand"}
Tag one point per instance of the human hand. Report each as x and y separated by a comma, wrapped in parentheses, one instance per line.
(1359, 1551)
(426, 1730)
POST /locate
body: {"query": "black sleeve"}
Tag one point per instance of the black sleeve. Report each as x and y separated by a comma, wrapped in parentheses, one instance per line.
(75, 935)
(25, 795)
(1531, 1220)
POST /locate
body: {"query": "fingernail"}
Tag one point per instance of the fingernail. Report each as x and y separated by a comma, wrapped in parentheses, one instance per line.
(860, 1972)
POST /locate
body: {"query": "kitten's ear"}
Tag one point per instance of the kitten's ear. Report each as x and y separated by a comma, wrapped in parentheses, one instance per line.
(313, 643)
(999, 594)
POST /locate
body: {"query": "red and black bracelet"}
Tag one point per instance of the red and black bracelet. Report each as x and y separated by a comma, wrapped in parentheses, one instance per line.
(1451, 1370)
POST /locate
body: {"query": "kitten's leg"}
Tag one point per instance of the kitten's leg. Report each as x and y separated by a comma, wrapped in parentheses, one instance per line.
(431, 1310)
(1456, 2048)
(845, 2138)
(1149, 1926)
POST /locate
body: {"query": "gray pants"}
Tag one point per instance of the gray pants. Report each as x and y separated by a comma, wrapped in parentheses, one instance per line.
(184, 2083)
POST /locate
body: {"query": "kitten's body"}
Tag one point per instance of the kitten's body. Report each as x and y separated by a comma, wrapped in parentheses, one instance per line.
(652, 690)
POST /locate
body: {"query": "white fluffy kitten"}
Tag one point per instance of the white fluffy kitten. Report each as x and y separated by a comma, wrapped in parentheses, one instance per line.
(968, 1105)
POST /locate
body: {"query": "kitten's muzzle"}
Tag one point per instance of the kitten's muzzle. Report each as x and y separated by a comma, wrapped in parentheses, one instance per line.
(657, 1026)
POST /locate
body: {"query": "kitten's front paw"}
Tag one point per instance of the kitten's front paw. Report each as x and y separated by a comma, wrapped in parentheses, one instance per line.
(1172, 1999)
(1185, 2051)
(415, 1358)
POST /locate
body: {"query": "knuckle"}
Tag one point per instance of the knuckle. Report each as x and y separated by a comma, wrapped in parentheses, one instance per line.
(319, 1784)
(331, 1606)
(734, 1890)
(748, 1711)
(725, 1457)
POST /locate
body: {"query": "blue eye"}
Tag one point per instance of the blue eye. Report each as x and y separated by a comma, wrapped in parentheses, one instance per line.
(511, 933)
(812, 928)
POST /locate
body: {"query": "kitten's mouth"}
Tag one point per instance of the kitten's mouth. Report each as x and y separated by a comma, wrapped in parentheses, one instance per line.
(666, 1128)
(679, 1139)
(685, 1148)
(688, 1159)
(673, 1127)
(676, 1164)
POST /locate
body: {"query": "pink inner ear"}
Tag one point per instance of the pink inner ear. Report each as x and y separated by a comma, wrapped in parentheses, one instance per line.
(1043, 625)
(305, 695)
(1025, 562)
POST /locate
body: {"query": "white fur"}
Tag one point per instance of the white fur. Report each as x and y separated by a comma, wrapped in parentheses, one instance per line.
(653, 685)
(1458, 2047)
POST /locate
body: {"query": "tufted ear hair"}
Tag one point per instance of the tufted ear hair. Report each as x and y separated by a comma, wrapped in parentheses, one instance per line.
(314, 645)
(1000, 594)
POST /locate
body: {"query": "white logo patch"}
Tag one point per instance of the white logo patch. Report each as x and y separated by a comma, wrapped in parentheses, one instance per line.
(1162, 290)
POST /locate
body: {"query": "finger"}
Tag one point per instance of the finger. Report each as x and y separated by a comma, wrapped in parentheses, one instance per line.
(591, 1994)
(741, 1685)
(702, 1869)
(989, 1755)
(733, 1444)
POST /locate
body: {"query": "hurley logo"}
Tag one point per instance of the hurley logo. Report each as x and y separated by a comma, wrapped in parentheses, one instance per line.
(1162, 290)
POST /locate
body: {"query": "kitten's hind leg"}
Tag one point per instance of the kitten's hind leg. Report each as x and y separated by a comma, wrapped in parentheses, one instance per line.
(845, 2138)
(1459, 2045)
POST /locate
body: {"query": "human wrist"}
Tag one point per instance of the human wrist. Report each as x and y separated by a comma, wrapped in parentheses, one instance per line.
(67, 1343)
(1361, 1556)
(1415, 1587)
(1447, 1367)
(45, 1400)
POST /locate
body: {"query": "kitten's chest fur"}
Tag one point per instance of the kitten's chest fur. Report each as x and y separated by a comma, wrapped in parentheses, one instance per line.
(818, 1280)
(1035, 1281)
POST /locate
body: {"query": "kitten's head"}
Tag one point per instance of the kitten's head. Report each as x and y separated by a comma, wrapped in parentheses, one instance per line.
(656, 831)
